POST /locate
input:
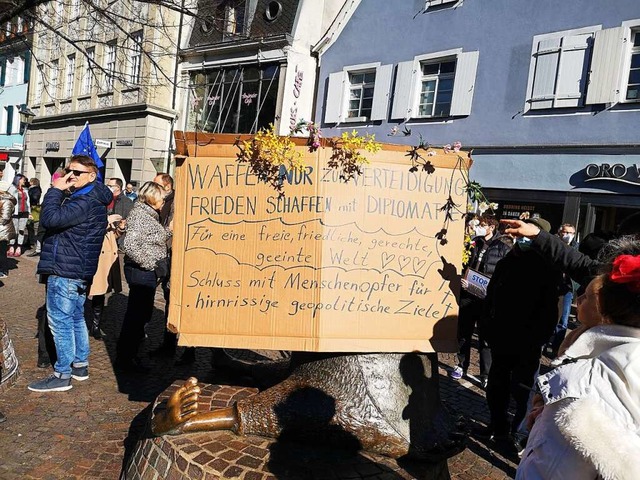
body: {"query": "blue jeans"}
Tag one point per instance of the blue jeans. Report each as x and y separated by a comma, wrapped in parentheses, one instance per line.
(65, 312)
(563, 322)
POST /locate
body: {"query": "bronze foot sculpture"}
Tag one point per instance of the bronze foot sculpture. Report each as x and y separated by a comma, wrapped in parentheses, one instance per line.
(383, 403)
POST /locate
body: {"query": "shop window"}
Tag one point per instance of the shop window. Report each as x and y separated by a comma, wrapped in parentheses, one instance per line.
(358, 93)
(234, 100)
(438, 85)
(559, 69)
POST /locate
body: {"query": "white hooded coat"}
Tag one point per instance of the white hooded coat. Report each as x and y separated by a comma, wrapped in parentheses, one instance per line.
(590, 425)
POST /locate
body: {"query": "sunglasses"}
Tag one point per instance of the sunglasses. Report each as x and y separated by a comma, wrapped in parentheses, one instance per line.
(76, 173)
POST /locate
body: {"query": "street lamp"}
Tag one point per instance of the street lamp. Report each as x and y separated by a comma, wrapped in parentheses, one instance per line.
(26, 117)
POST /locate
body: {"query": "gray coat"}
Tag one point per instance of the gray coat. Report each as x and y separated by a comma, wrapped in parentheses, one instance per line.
(7, 204)
(146, 239)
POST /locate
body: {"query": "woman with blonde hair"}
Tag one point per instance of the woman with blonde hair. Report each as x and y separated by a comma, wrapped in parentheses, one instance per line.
(145, 264)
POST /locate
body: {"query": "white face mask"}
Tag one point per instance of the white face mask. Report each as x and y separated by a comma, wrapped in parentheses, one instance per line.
(481, 231)
(568, 237)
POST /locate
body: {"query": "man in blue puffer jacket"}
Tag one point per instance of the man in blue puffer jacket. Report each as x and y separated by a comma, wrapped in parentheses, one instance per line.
(75, 227)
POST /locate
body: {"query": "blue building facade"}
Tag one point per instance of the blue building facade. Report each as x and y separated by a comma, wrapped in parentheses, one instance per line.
(15, 61)
(546, 93)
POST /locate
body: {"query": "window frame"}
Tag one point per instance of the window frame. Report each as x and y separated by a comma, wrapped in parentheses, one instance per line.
(349, 87)
(37, 96)
(338, 93)
(110, 58)
(438, 77)
(70, 77)
(54, 74)
(632, 28)
(87, 79)
(409, 109)
(633, 50)
(135, 64)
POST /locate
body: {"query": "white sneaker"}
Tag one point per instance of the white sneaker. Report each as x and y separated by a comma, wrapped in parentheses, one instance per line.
(456, 373)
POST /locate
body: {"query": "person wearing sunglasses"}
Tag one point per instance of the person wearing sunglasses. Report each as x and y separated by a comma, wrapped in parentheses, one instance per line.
(74, 215)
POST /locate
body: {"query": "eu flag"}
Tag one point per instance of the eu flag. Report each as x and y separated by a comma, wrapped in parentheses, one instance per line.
(84, 146)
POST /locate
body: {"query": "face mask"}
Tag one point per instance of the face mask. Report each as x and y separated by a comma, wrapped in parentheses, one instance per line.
(568, 238)
(480, 231)
(524, 243)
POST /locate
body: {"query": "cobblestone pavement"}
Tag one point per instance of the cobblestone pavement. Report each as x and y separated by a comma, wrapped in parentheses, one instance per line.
(87, 431)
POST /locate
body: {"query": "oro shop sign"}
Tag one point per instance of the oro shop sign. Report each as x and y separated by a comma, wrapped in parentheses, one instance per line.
(329, 266)
(613, 172)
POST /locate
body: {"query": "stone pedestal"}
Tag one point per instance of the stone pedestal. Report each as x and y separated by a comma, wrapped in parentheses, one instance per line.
(9, 369)
(223, 454)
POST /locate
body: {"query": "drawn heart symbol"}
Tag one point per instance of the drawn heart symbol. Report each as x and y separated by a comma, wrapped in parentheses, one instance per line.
(418, 264)
(387, 258)
(403, 261)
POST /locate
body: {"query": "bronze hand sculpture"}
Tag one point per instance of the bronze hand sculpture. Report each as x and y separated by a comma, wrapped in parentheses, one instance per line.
(181, 414)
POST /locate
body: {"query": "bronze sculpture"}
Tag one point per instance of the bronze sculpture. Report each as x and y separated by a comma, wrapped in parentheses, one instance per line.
(383, 403)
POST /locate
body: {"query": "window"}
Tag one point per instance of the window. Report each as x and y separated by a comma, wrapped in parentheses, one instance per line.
(436, 89)
(9, 114)
(110, 65)
(136, 58)
(633, 83)
(10, 72)
(74, 10)
(559, 69)
(70, 77)
(359, 93)
(39, 85)
(234, 100)
(435, 85)
(13, 73)
(87, 77)
(434, 3)
(53, 79)
(231, 15)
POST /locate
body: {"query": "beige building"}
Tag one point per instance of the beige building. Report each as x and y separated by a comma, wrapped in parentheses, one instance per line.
(116, 71)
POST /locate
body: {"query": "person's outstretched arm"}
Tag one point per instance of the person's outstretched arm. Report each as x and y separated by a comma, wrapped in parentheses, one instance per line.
(578, 266)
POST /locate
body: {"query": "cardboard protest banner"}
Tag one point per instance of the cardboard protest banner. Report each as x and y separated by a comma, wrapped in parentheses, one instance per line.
(329, 266)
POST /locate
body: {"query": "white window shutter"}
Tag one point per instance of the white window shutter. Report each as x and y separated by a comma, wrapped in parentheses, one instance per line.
(15, 124)
(606, 65)
(404, 92)
(546, 72)
(381, 91)
(464, 83)
(572, 71)
(334, 109)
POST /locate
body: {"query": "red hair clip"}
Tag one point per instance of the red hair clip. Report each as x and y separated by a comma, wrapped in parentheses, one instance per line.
(626, 270)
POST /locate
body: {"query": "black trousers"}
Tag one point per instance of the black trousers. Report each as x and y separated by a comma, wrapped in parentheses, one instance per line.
(139, 311)
(511, 375)
(470, 315)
